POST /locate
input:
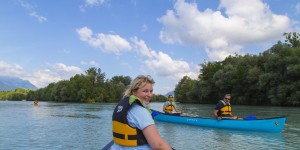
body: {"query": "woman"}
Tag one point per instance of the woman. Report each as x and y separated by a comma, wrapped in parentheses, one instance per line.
(133, 125)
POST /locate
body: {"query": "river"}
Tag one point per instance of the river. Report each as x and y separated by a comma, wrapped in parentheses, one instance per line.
(55, 126)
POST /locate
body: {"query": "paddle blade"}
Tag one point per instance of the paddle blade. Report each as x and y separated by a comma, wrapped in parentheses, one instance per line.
(154, 113)
(250, 118)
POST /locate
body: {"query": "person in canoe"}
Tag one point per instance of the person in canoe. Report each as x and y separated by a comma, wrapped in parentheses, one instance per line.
(35, 103)
(132, 123)
(223, 109)
(170, 106)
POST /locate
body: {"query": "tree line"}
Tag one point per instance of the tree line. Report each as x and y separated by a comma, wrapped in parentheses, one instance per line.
(270, 78)
(91, 87)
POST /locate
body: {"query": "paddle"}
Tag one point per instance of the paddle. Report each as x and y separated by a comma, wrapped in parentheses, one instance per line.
(107, 147)
(249, 118)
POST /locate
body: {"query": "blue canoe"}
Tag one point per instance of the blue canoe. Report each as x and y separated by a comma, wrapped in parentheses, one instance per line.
(275, 124)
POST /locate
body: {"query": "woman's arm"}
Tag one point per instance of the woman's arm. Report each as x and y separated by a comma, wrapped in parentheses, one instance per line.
(154, 139)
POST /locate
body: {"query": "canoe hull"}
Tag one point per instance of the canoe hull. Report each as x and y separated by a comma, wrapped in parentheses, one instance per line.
(265, 125)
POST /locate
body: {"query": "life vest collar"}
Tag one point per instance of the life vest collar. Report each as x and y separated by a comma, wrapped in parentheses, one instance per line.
(134, 98)
(225, 103)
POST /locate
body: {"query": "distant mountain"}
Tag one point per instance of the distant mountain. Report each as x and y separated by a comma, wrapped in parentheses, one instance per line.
(12, 83)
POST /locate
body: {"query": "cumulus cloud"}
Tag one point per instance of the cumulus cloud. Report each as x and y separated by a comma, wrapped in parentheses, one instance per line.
(160, 63)
(156, 61)
(224, 31)
(65, 71)
(106, 42)
(10, 69)
(42, 77)
(54, 73)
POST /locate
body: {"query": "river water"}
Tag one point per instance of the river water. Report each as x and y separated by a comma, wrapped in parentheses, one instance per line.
(55, 126)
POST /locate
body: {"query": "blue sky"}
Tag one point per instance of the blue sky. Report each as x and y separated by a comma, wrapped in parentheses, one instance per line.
(48, 41)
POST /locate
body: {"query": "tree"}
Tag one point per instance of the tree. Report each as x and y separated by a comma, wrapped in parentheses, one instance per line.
(182, 88)
(292, 39)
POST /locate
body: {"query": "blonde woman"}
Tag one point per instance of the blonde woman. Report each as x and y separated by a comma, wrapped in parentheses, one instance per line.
(133, 125)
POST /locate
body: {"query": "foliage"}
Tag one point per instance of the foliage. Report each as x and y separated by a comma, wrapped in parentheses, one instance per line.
(17, 94)
(270, 78)
(91, 87)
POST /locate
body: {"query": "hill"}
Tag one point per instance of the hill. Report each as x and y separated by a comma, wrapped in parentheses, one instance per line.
(12, 83)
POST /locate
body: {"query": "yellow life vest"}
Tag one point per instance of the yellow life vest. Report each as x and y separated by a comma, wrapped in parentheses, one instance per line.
(123, 133)
(169, 107)
(226, 109)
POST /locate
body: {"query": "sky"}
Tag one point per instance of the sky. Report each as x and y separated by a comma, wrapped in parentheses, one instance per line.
(49, 41)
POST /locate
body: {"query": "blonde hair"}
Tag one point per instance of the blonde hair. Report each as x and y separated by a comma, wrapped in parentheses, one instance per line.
(139, 82)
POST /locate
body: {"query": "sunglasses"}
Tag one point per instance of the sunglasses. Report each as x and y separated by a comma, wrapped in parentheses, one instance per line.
(227, 98)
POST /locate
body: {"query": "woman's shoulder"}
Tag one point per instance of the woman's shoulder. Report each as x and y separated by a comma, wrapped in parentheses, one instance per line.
(138, 109)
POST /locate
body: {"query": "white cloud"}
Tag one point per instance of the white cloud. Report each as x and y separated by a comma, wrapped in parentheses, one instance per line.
(91, 3)
(65, 71)
(94, 2)
(106, 42)
(25, 5)
(54, 73)
(91, 63)
(160, 63)
(30, 9)
(298, 7)
(42, 77)
(142, 48)
(10, 69)
(243, 22)
(85, 33)
(40, 18)
(94, 63)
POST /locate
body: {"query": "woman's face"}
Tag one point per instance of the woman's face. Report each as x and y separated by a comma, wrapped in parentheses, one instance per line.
(145, 93)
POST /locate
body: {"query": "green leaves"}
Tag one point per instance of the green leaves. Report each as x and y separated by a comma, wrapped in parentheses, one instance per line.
(270, 78)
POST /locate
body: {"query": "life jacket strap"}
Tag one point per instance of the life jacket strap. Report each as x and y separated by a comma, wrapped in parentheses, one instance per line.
(122, 136)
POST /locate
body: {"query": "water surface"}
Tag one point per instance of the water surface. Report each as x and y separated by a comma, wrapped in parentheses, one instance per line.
(88, 126)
